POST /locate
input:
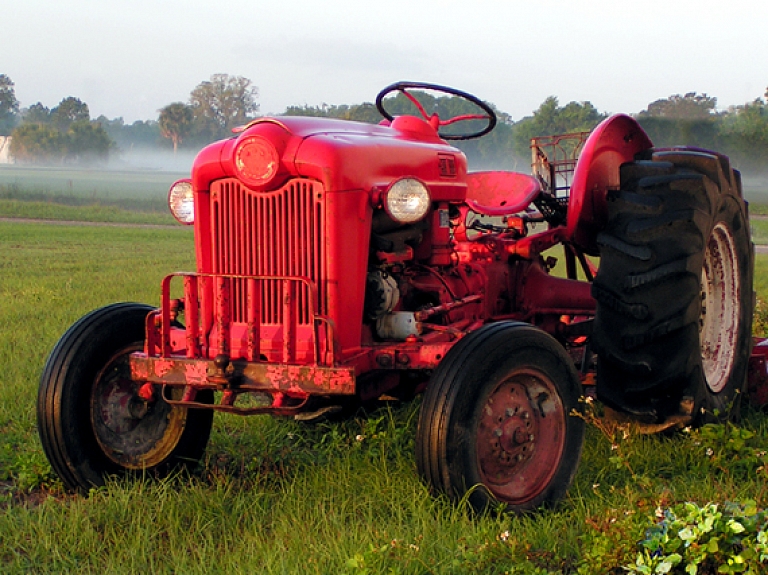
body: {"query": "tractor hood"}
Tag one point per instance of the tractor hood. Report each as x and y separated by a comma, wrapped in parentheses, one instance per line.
(342, 155)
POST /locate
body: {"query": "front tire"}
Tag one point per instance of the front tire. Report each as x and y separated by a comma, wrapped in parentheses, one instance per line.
(499, 420)
(91, 421)
(674, 290)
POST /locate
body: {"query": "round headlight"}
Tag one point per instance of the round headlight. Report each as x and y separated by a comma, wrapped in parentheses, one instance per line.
(181, 201)
(256, 161)
(407, 200)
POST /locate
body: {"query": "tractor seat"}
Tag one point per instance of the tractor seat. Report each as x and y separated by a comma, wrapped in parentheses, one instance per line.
(500, 193)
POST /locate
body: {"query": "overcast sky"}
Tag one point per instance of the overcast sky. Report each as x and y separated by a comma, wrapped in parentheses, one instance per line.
(130, 58)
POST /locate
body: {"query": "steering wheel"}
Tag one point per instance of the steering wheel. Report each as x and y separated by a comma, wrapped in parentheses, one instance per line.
(434, 120)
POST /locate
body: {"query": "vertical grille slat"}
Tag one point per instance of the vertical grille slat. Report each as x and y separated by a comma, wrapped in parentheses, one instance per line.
(278, 233)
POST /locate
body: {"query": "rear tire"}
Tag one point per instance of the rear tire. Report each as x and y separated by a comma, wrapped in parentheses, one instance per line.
(498, 422)
(674, 289)
(91, 422)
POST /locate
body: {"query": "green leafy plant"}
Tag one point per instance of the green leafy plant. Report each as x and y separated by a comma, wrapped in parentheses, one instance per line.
(689, 539)
(731, 449)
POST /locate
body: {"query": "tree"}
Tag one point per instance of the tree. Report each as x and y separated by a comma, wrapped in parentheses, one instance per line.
(691, 106)
(551, 119)
(68, 111)
(65, 134)
(37, 114)
(139, 134)
(222, 103)
(9, 105)
(85, 142)
(745, 133)
(682, 120)
(175, 123)
(36, 144)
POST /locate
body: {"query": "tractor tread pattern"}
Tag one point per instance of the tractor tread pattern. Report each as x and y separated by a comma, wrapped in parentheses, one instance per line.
(647, 289)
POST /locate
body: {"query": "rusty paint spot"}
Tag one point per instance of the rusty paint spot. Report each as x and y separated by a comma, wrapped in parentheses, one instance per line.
(163, 367)
(196, 372)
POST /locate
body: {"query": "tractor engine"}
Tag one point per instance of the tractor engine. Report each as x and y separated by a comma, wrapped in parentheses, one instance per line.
(406, 289)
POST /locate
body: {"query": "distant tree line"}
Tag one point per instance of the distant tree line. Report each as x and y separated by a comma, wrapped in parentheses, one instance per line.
(66, 133)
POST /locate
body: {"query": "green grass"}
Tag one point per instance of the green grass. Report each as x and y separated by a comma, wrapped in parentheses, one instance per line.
(52, 210)
(275, 496)
(83, 183)
(272, 495)
(759, 230)
(86, 195)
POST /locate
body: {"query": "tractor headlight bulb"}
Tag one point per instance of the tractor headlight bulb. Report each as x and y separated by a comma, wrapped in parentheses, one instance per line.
(407, 200)
(181, 201)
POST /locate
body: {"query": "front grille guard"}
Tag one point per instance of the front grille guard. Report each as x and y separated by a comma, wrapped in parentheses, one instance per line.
(204, 315)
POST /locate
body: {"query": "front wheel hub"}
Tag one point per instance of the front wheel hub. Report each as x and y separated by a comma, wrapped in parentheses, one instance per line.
(521, 434)
(132, 431)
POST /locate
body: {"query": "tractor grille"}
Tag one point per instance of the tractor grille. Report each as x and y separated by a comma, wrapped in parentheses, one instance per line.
(274, 235)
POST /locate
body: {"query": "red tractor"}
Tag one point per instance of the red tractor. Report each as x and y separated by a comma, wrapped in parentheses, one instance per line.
(338, 262)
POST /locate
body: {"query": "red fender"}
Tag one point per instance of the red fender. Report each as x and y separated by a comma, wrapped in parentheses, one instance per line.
(614, 142)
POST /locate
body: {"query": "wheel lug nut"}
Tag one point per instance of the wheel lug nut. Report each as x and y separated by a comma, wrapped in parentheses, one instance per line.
(510, 412)
(498, 432)
(525, 415)
(531, 437)
(520, 456)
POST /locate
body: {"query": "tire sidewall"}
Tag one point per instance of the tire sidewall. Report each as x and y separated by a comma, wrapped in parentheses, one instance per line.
(66, 394)
(522, 346)
(92, 348)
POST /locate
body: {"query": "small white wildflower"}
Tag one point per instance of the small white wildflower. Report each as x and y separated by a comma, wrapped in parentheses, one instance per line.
(614, 446)
(687, 429)
(588, 400)
(595, 485)
(359, 438)
(290, 436)
(659, 512)
(710, 452)
(504, 536)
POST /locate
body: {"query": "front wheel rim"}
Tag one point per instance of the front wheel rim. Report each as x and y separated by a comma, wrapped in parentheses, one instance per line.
(131, 432)
(720, 305)
(520, 436)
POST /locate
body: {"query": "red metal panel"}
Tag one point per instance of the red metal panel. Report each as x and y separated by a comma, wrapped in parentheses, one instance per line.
(500, 193)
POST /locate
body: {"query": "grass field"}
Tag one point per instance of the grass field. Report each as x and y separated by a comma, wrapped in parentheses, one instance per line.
(55, 193)
(89, 184)
(275, 496)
